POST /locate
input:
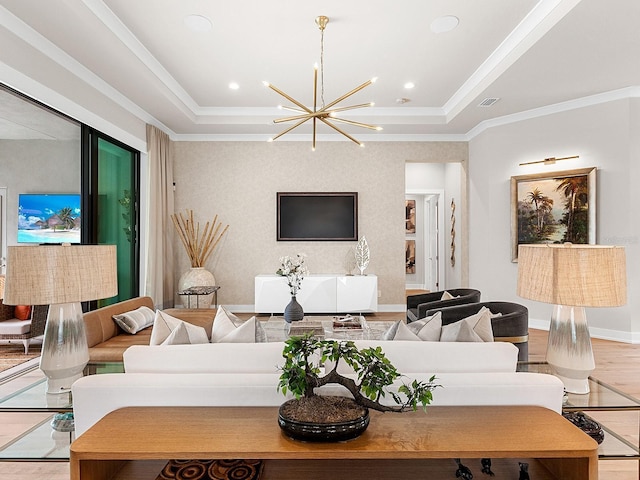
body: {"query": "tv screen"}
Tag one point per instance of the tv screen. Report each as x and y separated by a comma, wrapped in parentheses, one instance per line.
(317, 216)
(48, 218)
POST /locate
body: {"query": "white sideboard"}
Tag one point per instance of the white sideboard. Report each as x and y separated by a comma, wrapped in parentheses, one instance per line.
(319, 294)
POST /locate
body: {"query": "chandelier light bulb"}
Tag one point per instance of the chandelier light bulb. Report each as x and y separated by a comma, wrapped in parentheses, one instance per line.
(266, 84)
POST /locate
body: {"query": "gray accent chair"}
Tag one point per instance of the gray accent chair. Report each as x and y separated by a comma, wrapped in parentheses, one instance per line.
(512, 325)
(418, 305)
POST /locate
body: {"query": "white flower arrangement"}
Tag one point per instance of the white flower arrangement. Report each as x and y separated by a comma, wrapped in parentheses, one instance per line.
(294, 269)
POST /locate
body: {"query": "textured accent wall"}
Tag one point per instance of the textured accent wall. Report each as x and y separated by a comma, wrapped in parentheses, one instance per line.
(239, 180)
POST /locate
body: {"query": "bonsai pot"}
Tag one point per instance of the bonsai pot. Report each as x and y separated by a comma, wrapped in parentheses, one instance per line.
(323, 430)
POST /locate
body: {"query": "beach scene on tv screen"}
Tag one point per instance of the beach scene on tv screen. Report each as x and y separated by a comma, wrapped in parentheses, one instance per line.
(48, 218)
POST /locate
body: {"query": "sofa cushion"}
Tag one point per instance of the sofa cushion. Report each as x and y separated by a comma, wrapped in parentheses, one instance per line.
(230, 329)
(205, 358)
(168, 330)
(437, 357)
(15, 327)
(134, 321)
(110, 351)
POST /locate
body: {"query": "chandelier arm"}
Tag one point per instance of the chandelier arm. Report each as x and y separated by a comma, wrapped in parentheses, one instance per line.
(351, 107)
(324, 120)
(291, 99)
(306, 116)
(289, 129)
(357, 124)
(346, 95)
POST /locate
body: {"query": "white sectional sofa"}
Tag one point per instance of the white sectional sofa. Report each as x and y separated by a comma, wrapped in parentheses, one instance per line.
(246, 374)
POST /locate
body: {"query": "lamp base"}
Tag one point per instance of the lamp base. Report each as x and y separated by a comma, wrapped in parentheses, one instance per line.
(61, 384)
(573, 385)
(569, 349)
(64, 348)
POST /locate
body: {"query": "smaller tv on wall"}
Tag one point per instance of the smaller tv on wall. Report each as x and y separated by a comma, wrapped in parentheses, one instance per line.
(48, 218)
(331, 216)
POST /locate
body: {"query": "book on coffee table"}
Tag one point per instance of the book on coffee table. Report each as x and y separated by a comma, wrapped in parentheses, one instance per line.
(304, 327)
(347, 322)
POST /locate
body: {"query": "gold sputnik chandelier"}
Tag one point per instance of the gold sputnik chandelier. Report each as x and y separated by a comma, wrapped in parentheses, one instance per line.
(327, 114)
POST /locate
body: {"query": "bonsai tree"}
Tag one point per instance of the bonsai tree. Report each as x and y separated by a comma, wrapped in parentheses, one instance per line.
(302, 374)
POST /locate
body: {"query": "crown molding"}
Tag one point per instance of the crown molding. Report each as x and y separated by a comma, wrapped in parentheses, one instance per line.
(597, 99)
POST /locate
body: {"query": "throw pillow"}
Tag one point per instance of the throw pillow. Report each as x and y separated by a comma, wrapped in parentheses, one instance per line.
(229, 328)
(428, 329)
(22, 312)
(168, 330)
(478, 323)
(134, 321)
(447, 296)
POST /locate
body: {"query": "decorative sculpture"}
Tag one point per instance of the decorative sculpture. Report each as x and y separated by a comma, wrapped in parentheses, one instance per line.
(362, 254)
(453, 233)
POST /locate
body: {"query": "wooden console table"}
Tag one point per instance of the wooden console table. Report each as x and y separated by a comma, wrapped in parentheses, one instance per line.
(393, 446)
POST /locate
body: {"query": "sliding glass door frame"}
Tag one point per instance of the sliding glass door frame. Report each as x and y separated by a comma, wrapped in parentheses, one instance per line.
(90, 195)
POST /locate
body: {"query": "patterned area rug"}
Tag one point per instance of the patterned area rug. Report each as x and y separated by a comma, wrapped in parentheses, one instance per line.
(12, 354)
(211, 470)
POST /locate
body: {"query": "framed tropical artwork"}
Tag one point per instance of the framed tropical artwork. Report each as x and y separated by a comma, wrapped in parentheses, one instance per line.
(554, 207)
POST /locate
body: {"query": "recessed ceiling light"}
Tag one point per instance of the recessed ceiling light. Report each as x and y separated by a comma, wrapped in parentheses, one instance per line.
(402, 100)
(198, 23)
(444, 24)
(234, 86)
(409, 85)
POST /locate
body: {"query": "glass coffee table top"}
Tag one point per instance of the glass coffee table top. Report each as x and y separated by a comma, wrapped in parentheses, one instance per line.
(27, 412)
(277, 329)
(617, 413)
(602, 396)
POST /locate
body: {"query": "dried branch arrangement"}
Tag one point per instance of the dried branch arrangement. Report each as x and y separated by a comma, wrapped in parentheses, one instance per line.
(199, 245)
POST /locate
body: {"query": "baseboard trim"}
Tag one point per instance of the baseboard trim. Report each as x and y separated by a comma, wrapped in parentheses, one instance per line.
(595, 332)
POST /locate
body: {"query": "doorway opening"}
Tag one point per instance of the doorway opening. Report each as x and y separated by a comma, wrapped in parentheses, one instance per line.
(425, 241)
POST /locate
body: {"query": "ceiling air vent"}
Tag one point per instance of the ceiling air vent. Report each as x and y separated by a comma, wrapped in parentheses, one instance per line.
(487, 102)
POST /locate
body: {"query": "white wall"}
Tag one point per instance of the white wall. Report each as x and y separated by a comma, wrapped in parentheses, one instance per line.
(605, 136)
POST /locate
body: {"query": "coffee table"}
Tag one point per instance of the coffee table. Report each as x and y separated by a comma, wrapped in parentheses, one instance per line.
(277, 329)
(24, 394)
(408, 444)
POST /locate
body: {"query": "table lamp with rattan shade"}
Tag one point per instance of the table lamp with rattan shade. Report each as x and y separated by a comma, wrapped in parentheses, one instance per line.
(61, 276)
(572, 277)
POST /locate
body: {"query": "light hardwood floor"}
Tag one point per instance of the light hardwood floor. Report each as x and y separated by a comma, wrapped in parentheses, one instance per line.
(616, 363)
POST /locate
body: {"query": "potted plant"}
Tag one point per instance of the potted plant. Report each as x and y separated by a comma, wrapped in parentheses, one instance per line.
(310, 416)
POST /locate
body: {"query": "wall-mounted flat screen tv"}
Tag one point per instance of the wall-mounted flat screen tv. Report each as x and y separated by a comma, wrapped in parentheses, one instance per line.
(317, 216)
(48, 218)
